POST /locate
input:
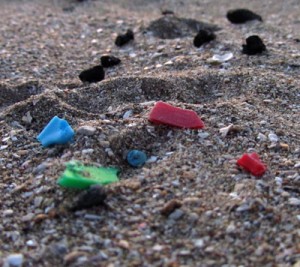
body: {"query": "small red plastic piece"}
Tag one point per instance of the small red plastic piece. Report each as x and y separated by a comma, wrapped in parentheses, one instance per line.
(252, 164)
(164, 113)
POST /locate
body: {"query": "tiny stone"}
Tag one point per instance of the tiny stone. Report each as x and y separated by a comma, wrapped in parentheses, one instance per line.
(14, 260)
(38, 201)
(152, 159)
(73, 256)
(8, 212)
(284, 146)
(27, 217)
(176, 215)
(87, 151)
(127, 114)
(170, 62)
(203, 135)
(230, 228)
(273, 138)
(261, 137)
(294, 201)
(170, 207)
(86, 130)
(297, 165)
(31, 243)
(199, 243)
(92, 217)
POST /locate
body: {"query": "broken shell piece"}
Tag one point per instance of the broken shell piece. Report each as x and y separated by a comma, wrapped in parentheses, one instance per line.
(225, 130)
(27, 118)
(218, 59)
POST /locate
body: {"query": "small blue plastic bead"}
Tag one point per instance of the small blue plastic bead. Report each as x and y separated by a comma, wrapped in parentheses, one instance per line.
(136, 158)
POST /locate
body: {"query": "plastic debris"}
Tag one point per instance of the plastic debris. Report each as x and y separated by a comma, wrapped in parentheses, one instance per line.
(241, 16)
(123, 39)
(94, 196)
(163, 113)
(136, 158)
(92, 75)
(109, 61)
(254, 45)
(57, 132)
(252, 164)
(79, 176)
(203, 36)
(221, 58)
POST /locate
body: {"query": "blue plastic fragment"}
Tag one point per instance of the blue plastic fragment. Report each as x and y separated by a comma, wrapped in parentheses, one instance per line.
(136, 158)
(57, 131)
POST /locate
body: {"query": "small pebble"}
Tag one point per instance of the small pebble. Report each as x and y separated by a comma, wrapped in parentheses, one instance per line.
(73, 256)
(31, 243)
(109, 61)
(261, 137)
(127, 114)
(170, 207)
(203, 36)
(273, 138)
(254, 45)
(92, 75)
(123, 39)
(14, 260)
(294, 201)
(86, 130)
(241, 16)
(176, 215)
(8, 212)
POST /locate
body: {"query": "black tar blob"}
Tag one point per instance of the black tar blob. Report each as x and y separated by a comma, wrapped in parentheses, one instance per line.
(203, 36)
(109, 61)
(254, 45)
(123, 39)
(92, 75)
(241, 16)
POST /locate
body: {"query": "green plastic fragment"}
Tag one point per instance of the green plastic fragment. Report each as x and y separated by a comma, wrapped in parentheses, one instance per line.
(76, 175)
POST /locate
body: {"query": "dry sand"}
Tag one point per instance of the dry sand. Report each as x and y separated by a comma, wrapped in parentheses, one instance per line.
(226, 216)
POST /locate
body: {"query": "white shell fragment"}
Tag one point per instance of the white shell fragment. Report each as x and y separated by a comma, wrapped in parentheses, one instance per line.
(221, 58)
(225, 130)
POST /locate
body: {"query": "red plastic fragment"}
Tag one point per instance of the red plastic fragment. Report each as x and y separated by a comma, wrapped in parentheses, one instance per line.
(252, 164)
(163, 113)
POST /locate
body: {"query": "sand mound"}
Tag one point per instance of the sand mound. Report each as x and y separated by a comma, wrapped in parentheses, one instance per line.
(171, 27)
